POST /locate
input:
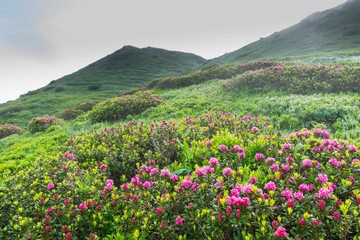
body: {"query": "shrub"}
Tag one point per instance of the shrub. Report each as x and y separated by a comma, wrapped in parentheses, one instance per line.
(208, 73)
(11, 109)
(304, 185)
(299, 79)
(40, 124)
(120, 107)
(48, 88)
(59, 89)
(70, 113)
(9, 129)
(94, 87)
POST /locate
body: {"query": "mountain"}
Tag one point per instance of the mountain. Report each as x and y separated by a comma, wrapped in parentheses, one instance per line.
(123, 70)
(332, 32)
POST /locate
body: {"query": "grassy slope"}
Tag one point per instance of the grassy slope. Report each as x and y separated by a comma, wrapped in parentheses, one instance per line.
(332, 32)
(123, 70)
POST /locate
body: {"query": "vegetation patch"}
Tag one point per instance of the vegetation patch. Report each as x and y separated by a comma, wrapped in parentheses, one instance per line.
(40, 124)
(120, 107)
(9, 129)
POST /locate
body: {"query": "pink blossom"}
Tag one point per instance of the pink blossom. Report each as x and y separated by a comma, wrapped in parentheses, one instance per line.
(50, 186)
(174, 178)
(286, 146)
(103, 166)
(214, 162)
(236, 148)
(270, 186)
(270, 159)
(195, 186)
(306, 162)
(125, 186)
(303, 187)
(302, 222)
(165, 172)
(298, 195)
(253, 180)
(68, 235)
(186, 183)
(259, 156)
(322, 177)
(47, 229)
(275, 167)
(227, 171)
(148, 184)
(223, 147)
(154, 171)
(179, 221)
(321, 204)
(82, 206)
(280, 232)
(336, 216)
(208, 143)
(159, 211)
(285, 167)
(287, 193)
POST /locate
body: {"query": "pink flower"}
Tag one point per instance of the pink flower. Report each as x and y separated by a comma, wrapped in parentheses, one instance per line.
(351, 179)
(208, 143)
(214, 162)
(223, 147)
(280, 232)
(289, 159)
(321, 204)
(68, 235)
(148, 184)
(103, 166)
(336, 216)
(92, 236)
(236, 148)
(180, 221)
(270, 159)
(47, 229)
(316, 222)
(195, 186)
(275, 167)
(135, 198)
(82, 206)
(64, 228)
(287, 193)
(66, 201)
(253, 180)
(285, 167)
(286, 146)
(227, 171)
(125, 186)
(159, 211)
(186, 183)
(325, 192)
(270, 186)
(302, 222)
(228, 210)
(238, 213)
(259, 156)
(154, 171)
(47, 219)
(49, 210)
(64, 167)
(322, 178)
(306, 162)
(165, 172)
(298, 195)
(274, 224)
(303, 187)
(174, 178)
(50, 186)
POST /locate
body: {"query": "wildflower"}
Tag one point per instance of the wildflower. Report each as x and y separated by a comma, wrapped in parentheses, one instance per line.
(214, 162)
(259, 156)
(66, 201)
(174, 178)
(162, 224)
(270, 186)
(135, 198)
(223, 147)
(289, 159)
(165, 172)
(287, 193)
(50, 186)
(92, 236)
(316, 222)
(125, 186)
(280, 232)
(322, 177)
(208, 143)
(302, 222)
(49, 210)
(236, 148)
(103, 166)
(98, 207)
(336, 216)
(82, 206)
(159, 211)
(148, 184)
(228, 210)
(47, 219)
(180, 221)
(275, 167)
(195, 186)
(68, 235)
(306, 162)
(47, 229)
(269, 159)
(154, 171)
(186, 183)
(286, 146)
(298, 195)
(321, 204)
(238, 213)
(351, 179)
(253, 180)
(227, 171)
(285, 167)
(274, 224)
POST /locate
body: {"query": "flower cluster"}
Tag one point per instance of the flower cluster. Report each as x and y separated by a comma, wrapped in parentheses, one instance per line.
(39, 124)
(9, 129)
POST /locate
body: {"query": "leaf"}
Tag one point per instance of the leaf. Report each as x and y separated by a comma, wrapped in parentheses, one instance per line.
(182, 172)
(297, 148)
(314, 140)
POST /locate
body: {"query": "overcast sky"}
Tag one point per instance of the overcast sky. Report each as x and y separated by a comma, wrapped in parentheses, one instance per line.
(43, 40)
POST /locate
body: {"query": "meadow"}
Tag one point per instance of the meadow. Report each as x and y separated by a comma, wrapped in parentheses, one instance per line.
(260, 155)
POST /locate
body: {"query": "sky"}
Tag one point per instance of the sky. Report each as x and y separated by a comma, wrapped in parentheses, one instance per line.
(43, 40)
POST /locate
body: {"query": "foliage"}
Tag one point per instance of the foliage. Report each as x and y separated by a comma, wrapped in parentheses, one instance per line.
(299, 79)
(304, 185)
(77, 110)
(120, 107)
(40, 124)
(211, 72)
(9, 129)
(94, 87)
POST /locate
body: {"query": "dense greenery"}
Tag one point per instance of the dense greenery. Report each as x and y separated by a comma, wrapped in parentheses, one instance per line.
(39, 124)
(255, 183)
(120, 107)
(206, 74)
(9, 129)
(299, 79)
(77, 110)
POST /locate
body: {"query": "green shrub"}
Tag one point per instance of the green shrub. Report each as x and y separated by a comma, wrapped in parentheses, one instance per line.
(70, 113)
(59, 89)
(40, 124)
(120, 107)
(9, 129)
(94, 87)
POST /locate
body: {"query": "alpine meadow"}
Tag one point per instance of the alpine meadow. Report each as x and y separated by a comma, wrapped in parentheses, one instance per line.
(148, 143)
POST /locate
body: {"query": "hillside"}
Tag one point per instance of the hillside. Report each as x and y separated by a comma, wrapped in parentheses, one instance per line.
(332, 32)
(125, 69)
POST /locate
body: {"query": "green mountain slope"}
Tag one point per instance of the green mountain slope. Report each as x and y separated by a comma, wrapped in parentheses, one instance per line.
(332, 32)
(125, 69)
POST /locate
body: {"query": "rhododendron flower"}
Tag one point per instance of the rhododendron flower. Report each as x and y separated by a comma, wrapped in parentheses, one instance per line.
(103, 166)
(159, 211)
(228, 210)
(64, 228)
(47, 219)
(247, 188)
(92, 236)
(148, 184)
(186, 183)
(274, 224)
(298, 195)
(270, 186)
(66, 201)
(353, 148)
(280, 232)
(125, 186)
(179, 221)
(285, 167)
(50, 186)
(235, 192)
(259, 156)
(236, 148)
(286, 146)
(336, 216)
(253, 180)
(68, 235)
(165, 172)
(270, 159)
(174, 178)
(227, 171)
(289, 159)
(223, 147)
(287, 193)
(47, 229)
(82, 206)
(49, 210)
(154, 171)
(322, 178)
(316, 222)
(213, 162)
(351, 179)
(208, 143)
(303, 187)
(321, 204)
(306, 162)
(275, 167)
(135, 198)
(195, 186)
(242, 154)
(302, 222)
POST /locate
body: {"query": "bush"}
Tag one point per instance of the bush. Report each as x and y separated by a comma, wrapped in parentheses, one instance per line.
(11, 109)
(40, 124)
(94, 87)
(304, 185)
(59, 89)
(120, 107)
(9, 129)
(48, 88)
(299, 79)
(208, 73)
(70, 113)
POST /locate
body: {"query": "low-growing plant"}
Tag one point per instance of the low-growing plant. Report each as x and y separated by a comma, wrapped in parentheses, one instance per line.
(120, 107)
(9, 129)
(40, 124)
(59, 89)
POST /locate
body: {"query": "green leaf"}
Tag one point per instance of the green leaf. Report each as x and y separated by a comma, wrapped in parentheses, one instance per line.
(182, 172)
